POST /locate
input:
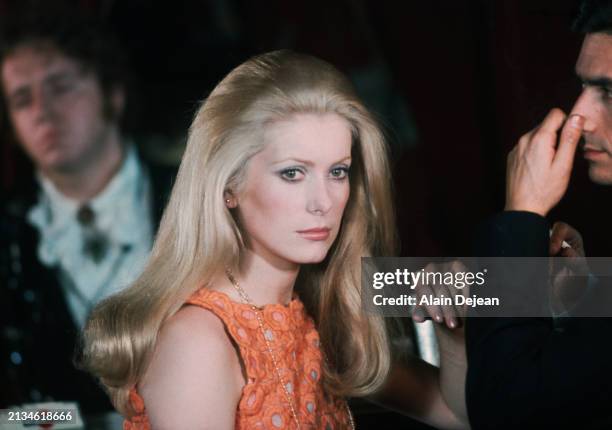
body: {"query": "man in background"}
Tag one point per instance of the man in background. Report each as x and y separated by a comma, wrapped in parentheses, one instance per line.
(80, 226)
(525, 372)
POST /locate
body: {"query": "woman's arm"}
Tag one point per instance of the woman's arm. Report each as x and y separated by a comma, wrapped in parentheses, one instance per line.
(194, 379)
(413, 389)
(426, 393)
(447, 382)
(453, 368)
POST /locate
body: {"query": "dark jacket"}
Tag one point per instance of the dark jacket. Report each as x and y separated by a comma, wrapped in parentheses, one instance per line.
(525, 372)
(38, 337)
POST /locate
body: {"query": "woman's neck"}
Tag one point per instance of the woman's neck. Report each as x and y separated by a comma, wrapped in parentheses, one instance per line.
(262, 281)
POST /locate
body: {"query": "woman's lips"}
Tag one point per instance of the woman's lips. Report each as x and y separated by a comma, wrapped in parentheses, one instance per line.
(315, 234)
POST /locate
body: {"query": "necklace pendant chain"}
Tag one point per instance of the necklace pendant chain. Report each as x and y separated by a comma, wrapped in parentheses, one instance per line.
(245, 298)
(257, 312)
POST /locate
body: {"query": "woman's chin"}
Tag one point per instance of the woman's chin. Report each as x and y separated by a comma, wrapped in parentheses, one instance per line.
(314, 258)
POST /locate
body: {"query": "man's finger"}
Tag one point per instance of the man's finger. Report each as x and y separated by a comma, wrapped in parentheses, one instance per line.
(570, 136)
(553, 122)
(569, 252)
(558, 235)
(548, 129)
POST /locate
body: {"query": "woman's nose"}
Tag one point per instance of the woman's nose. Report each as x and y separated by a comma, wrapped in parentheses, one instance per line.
(320, 199)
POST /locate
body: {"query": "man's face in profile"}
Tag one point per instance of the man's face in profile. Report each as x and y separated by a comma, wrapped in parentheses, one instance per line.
(55, 106)
(594, 68)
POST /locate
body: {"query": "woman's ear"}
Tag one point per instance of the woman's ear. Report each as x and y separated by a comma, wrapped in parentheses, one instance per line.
(230, 200)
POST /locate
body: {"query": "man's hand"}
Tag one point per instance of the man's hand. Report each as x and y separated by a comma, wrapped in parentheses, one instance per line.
(563, 232)
(538, 170)
(569, 276)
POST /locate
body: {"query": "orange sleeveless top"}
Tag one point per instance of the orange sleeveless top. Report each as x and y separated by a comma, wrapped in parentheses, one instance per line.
(295, 342)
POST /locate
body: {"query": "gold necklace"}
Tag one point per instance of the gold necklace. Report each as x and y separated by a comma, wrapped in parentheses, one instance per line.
(245, 297)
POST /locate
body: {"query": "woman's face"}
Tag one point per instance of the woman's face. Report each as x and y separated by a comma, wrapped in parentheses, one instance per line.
(295, 191)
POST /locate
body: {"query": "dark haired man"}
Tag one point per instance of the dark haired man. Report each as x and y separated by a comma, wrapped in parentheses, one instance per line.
(82, 227)
(522, 372)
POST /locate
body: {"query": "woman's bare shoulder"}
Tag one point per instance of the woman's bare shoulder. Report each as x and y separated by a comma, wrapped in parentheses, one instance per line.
(194, 376)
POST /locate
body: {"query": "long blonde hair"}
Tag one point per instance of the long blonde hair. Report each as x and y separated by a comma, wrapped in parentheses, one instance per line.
(198, 236)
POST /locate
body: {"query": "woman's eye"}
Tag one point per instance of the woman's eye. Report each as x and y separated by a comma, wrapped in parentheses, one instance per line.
(291, 175)
(339, 172)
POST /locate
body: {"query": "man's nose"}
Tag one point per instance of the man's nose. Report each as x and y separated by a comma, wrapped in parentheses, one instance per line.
(319, 199)
(587, 106)
(42, 105)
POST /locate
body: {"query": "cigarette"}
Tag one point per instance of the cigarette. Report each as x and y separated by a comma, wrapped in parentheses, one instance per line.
(564, 244)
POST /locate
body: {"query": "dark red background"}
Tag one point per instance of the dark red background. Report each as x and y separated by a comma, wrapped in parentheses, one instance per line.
(475, 74)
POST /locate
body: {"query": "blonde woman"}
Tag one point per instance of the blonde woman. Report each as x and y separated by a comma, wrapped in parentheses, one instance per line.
(248, 312)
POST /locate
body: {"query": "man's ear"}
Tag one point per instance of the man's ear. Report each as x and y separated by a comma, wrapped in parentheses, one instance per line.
(116, 102)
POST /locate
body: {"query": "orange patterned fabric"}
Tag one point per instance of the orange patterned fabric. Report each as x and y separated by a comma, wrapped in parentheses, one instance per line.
(295, 342)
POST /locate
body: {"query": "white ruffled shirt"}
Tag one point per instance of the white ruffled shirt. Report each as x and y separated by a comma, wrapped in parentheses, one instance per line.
(122, 214)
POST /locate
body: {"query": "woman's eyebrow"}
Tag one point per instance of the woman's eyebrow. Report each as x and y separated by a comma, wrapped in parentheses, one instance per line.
(296, 160)
(308, 162)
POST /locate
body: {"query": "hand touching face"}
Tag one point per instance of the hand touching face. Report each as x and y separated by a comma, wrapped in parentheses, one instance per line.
(539, 169)
(594, 68)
